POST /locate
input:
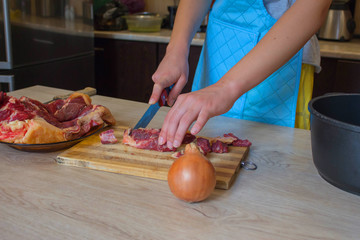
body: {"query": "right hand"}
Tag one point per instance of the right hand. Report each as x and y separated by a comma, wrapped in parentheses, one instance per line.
(173, 69)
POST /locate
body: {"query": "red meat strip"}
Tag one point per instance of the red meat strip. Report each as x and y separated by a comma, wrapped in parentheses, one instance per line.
(144, 138)
(219, 147)
(71, 109)
(108, 137)
(39, 109)
(12, 109)
(238, 142)
(53, 106)
(188, 138)
(204, 145)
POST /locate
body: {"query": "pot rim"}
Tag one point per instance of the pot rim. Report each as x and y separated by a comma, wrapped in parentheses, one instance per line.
(337, 123)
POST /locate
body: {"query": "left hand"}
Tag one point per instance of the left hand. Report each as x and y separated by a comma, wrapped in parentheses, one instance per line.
(197, 106)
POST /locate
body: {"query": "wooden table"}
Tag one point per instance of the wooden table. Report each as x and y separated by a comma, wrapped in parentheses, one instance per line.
(285, 198)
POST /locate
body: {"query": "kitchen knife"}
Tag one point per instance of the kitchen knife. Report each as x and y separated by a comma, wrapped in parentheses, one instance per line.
(152, 110)
(88, 90)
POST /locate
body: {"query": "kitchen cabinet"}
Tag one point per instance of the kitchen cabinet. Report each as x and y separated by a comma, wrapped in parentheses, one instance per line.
(123, 68)
(337, 75)
(71, 73)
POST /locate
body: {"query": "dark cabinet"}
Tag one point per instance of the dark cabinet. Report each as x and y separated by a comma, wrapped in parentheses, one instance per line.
(337, 75)
(72, 74)
(123, 69)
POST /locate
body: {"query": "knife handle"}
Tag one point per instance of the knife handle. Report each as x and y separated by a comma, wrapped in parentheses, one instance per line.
(88, 90)
(164, 96)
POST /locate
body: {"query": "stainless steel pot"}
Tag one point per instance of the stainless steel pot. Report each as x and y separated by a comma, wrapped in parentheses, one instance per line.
(335, 139)
(339, 24)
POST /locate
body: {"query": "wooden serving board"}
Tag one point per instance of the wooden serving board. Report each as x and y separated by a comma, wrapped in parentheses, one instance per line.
(119, 158)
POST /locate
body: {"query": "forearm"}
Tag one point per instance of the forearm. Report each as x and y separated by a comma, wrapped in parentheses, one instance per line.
(284, 39)
(189, 16)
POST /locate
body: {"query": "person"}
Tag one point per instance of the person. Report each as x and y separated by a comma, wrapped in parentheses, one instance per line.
(252, 64)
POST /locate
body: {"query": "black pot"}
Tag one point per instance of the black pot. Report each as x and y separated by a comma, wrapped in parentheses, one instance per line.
(335, 139)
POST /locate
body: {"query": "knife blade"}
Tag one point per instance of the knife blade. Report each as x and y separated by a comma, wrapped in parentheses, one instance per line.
(152, 110)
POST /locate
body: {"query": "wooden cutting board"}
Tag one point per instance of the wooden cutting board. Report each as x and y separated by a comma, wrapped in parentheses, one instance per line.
(119, 158)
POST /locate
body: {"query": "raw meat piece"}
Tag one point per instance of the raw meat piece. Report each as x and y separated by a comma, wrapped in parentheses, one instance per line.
(26, 120)
(55, 105)
(238, 142)
(108, 137)
(204, 145)
(144, 138)
(226, 139)
(177, 154)
(219, 147)
(188, 138)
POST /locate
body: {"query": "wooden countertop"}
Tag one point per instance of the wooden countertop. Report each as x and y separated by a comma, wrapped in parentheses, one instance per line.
(332, 49)
(285, 198)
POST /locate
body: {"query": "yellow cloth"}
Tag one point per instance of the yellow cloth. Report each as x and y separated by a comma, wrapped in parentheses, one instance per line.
(302, 118)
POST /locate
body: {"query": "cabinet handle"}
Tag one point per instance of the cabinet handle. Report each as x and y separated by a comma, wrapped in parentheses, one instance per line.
(43, 41)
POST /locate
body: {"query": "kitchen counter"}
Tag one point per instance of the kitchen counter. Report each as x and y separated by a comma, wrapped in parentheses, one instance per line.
(332, 49)
(163, 36)
(285, 198)
(56, 25)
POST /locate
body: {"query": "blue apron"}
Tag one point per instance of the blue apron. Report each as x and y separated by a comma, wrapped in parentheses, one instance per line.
(234, 28)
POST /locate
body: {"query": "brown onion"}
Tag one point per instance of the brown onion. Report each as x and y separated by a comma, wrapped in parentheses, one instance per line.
(192, 176)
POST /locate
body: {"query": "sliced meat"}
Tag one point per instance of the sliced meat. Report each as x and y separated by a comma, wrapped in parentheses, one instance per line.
(225, 139)
(188, 138)
(177, 154)
(71, 109)
(53, 106)
(108, 137)
(39, 109)
(238, 142)
(204, 145)
(219, 147)
(144, 138)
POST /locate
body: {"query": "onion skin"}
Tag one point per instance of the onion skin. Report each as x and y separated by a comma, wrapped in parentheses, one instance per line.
(192, 177)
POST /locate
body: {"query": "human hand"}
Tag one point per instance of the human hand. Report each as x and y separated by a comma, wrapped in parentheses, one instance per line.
(173, 70)
(197, 106)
